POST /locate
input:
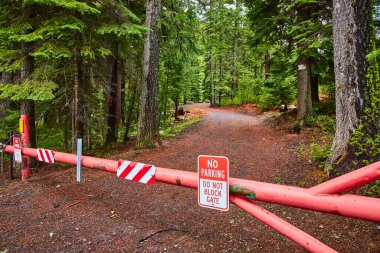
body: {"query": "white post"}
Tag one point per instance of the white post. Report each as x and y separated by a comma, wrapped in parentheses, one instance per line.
(79, 160)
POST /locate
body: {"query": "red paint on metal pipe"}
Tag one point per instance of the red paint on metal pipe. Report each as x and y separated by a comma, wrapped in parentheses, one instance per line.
(298, 236)
(346, 205)
(25, 135)
(350, 180)
(25, 139)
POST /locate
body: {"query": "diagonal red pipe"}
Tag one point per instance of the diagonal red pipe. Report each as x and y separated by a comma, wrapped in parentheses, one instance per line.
(350, 180)
(345, 205)
(298, 236)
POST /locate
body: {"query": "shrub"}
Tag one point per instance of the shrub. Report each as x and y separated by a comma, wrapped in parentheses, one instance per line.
(320, 153)
(276, 91)
(297, 126)
(310, 121)
(325, 123)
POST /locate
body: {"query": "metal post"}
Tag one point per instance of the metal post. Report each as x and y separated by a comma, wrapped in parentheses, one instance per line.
(1, 158)
(79, 160)
(25, 139)
(11, 157)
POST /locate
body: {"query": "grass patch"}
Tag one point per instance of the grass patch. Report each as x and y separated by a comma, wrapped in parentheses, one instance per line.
(178, 128)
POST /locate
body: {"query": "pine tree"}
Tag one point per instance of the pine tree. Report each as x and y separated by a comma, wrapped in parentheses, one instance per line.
(148, 124)
(354, 100)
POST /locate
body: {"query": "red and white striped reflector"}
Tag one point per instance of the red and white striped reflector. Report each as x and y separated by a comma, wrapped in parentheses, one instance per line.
(45, 155)
(139, 172)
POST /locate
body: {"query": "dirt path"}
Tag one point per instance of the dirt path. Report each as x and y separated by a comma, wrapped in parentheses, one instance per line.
(52, 213)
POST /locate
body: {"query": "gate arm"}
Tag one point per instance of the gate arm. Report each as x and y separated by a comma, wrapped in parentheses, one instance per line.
(359, 207)
(350, 180)
(301, 238)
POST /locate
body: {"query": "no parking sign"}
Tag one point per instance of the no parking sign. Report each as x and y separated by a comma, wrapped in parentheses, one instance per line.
(17, 149)
(213, 183)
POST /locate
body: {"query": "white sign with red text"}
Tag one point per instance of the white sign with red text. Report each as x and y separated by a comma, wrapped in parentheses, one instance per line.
(213, 183)
(17, 149)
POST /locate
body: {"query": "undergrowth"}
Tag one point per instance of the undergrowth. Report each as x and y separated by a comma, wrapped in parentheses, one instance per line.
(178, 128)
(320, 148)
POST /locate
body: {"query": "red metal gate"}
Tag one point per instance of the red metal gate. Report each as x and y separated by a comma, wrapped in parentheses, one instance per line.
(328, 197)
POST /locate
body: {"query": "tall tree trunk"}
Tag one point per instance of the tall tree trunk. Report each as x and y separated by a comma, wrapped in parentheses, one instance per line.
(166, 98)
(78, 103)
(235, 51)
(220, 79)
(314, 82)
(130, 111)
(65, 137)
(266, 65)
(351, 32)
(212, 88)
(176, 105)
(305, 105)
(27, 106)
(112, 93)
(212, 85)
(185, 93)
(148, 124)
(118, 97)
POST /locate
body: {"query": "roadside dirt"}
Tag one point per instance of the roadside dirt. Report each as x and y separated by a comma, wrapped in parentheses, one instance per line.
(53, 213)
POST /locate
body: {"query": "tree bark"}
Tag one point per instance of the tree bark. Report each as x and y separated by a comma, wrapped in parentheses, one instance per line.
(78, 104)
(235, 51)
(130, 112)
(112, 93)
(65, 137)
(27, 106)
(314, 82)
(176, 105)
(305, 106)
(266, 65)
(212, 88)
(351, 33)
(148, 124)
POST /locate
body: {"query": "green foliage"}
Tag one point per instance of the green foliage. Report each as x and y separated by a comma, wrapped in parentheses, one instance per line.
(310, 121)
(365, 146)
(325, 123)
(320, 152)
(297, 126)
(122, 30)
(277, 91)
(74, 5)
(289, 31)
(10, 122)
(52, 51)
(50, 138)
(375, 54)
(366, 139)
(373, 189)
(320, 149)
(177, 129)
(30, 89)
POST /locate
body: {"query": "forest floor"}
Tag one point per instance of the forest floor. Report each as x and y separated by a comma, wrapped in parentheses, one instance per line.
(53, 213)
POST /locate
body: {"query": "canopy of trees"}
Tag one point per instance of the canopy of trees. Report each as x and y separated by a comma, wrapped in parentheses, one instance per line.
(109, 70)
